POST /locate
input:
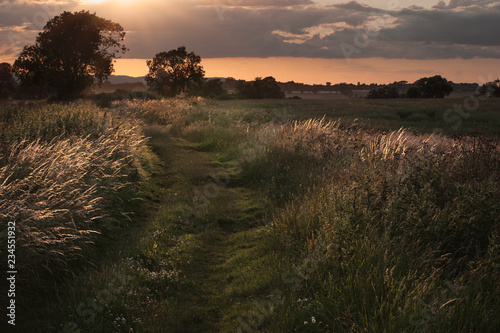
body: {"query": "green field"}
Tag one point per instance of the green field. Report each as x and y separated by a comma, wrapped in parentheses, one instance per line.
(190, 215)
(448, 116)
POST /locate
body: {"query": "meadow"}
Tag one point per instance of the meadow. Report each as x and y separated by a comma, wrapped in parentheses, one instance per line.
(190, 215)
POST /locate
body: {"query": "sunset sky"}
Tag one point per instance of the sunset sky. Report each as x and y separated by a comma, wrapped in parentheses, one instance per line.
(306, 41)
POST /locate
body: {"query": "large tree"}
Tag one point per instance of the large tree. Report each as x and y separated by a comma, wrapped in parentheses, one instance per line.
(431, 87)
(173, 72)
(74, 51)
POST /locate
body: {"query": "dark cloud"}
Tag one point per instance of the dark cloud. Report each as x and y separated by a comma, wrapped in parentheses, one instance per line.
(463, 3)
(37, 13)
(356, 6)
(473, 27)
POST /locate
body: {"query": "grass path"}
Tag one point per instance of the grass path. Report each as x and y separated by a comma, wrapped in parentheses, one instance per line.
(171, 271)
(223, 253)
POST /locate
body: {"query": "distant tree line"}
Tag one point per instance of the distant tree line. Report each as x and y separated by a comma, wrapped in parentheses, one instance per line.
(383, 93)
(260, 88)
(427, 87)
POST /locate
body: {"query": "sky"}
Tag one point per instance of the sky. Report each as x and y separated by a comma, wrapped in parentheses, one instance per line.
(310, 41)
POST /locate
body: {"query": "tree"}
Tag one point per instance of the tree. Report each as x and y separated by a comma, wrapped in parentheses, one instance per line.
(209, 89)
(490, 89)
(7, 83)
(260, 89)
(414, 92)
(74, 51)
(172, 72)
(430, 87)
(383, 93)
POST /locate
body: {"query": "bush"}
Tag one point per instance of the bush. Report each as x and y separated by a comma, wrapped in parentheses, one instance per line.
(383, 93)
(260, 89)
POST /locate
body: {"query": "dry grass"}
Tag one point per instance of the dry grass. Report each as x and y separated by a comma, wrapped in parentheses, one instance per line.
(399, 230)
(59, 191)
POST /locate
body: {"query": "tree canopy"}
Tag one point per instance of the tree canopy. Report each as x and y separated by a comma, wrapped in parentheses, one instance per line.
(430, 87)
(491, 89)
(173, 72)
(383, 93)
(208, 89)
(74, 51)
(260, 88)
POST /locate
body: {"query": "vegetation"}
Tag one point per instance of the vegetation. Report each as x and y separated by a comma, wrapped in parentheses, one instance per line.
(68, 176)
(243, 216)
(383, 93)
(209, 89)
(491, 89)
(430, 87)
(73, 51)
(264, 216)
(172, 72)
(260, 89)
(8, 85)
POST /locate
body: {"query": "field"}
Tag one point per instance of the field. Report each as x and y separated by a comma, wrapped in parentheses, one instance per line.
(190, 215)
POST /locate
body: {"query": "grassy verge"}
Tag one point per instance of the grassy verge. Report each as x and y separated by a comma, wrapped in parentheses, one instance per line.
(394, 232)
(68, 178)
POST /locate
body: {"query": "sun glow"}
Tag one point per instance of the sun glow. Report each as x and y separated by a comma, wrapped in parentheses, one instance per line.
(98, 2)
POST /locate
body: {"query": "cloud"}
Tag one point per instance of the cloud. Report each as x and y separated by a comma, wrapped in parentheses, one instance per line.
(258, 3)
(474, 26)
(462, 3)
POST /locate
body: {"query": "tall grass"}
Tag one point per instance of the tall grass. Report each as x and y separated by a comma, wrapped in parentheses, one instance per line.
(373, 231)
(379, 231)
(65, 171)
(37, 120)
(399, 231)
